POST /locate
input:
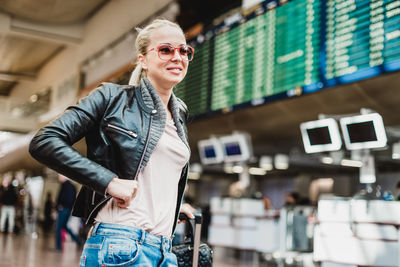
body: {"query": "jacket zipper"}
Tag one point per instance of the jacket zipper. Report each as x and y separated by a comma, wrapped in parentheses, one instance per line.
(131, 133)
(180, 205)
(138, 168)
(122, 130)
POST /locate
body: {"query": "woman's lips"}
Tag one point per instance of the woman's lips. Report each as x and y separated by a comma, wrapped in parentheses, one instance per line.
(175, 70)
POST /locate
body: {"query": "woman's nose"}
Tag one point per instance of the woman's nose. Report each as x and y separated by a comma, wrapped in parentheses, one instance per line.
(176, 56)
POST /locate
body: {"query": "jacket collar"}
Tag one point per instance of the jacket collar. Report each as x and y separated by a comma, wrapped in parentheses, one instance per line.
(153, 101)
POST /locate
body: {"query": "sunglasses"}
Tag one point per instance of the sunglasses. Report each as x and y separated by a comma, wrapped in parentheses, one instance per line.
(167, 52)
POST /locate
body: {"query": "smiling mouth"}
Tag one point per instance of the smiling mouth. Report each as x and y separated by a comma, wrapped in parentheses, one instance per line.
(175, 69)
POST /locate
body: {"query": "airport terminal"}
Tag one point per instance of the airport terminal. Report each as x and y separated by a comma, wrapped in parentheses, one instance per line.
(292, 109)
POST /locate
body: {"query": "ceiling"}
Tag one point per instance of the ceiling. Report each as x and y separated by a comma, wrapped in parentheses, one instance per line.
(24, 44)
(52, 11)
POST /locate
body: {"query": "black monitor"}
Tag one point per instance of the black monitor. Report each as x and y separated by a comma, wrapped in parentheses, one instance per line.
(363, 131)
(320, 135)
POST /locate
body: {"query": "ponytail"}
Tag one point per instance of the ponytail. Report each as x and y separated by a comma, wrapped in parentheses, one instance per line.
(137, 74)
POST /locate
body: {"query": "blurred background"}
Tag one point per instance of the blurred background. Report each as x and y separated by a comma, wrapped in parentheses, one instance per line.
(294, 122)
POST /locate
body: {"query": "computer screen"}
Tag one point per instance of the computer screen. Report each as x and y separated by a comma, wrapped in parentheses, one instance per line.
(210, 151)
(237, 147)
(363, 131)
(232, 149)
(320, 135)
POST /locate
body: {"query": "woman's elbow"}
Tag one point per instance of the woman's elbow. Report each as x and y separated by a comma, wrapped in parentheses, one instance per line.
(34, 146)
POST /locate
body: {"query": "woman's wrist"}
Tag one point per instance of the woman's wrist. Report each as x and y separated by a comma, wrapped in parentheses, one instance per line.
(110, 184)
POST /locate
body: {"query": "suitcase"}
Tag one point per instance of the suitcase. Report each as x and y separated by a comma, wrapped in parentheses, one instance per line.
(192, 253)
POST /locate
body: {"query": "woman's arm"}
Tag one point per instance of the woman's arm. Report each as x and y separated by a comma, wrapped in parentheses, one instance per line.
(52, 145)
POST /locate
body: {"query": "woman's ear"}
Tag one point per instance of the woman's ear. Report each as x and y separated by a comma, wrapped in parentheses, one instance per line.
(142, 61)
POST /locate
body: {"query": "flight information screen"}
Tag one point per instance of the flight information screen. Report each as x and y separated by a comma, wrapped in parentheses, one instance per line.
(361, 35)
(287, 48)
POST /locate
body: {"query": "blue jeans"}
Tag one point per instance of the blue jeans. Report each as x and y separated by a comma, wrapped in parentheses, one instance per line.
(119, 245)
(62, 223)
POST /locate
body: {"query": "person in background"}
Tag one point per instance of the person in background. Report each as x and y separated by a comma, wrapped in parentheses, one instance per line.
(135, 172)
(48, 210)
(9, 200)
(292, 198)
(65, 201)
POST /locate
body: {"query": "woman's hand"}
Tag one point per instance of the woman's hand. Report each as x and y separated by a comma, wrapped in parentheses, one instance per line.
(122, 190)
(188, 210)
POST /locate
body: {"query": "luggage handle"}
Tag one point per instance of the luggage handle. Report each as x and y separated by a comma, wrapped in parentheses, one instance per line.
(195, 240)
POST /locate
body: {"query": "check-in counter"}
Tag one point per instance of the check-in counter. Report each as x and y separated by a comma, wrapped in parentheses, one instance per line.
(357, 232)
(243, 224)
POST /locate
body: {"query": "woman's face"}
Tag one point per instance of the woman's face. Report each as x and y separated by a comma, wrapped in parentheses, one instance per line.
(164, 73)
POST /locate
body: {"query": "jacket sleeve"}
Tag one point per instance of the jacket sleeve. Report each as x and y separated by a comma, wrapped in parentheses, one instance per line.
(52, 145)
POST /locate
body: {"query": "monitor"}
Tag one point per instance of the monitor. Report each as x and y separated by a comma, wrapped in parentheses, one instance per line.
(363, 131)
(236, 147)
(320, 135)
(210, 151)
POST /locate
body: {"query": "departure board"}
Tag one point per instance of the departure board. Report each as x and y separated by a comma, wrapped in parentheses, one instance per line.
(288, 48)
(359, 36)
(193, 90)
(297, 45)
(269, 54)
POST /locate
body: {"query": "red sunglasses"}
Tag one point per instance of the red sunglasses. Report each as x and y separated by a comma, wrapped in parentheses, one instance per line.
(166, 52)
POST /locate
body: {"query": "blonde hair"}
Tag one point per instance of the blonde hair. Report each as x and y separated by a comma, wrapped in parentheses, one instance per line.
(143, 40)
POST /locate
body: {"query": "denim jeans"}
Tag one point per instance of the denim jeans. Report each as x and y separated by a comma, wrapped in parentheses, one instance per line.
(7, 211)
(62, 223)
(119, 245)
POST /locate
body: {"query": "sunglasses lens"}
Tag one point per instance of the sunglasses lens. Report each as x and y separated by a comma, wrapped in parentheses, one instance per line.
(166, 52)
(186, 52)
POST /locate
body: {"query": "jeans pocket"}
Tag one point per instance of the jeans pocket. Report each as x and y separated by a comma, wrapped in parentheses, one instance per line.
(91, 250)
(120, 251)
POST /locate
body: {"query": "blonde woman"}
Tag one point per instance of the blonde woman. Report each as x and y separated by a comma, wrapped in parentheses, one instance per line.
(136, 167)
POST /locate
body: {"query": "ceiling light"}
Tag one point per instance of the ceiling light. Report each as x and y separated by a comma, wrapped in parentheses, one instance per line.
(228, 168)
(196, 167)
(266, 163)
(33, 98)
(193, 176)
(237, 169)
(257, 171)
(396, 151)
(351, 163)
(281, 161)
(327, 160)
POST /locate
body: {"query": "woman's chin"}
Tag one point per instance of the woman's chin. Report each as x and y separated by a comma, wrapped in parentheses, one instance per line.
(175, 80)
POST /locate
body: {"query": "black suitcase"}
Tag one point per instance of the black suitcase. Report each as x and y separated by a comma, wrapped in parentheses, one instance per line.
(192, 253)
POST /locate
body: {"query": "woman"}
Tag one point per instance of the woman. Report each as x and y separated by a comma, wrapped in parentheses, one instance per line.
(136, 168)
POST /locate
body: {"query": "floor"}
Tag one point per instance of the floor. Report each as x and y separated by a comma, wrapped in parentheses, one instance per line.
(27, 250)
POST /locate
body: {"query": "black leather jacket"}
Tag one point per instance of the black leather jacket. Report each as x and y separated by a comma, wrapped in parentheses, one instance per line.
(116, 123)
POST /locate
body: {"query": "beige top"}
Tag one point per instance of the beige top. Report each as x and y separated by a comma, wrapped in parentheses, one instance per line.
(153, 208)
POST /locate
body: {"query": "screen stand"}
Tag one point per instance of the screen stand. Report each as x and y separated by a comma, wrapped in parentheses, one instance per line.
(367, 170)
(244, 176)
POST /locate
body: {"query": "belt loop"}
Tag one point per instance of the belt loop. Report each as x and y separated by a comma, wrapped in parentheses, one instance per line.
(94, 230)
(142, 236)
(169, 244)
(165, 244)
